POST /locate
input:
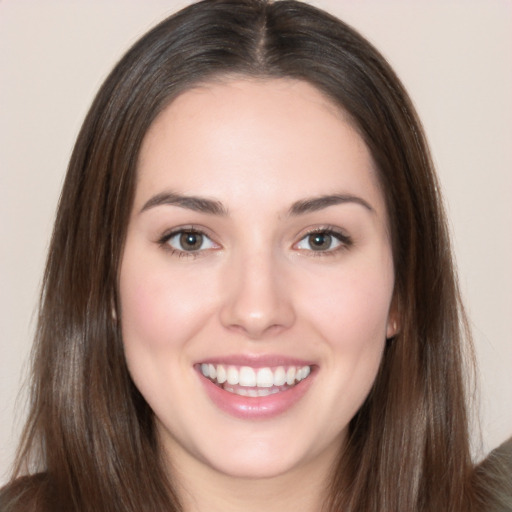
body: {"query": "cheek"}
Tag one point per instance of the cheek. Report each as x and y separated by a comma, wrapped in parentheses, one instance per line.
(160, 312)
(353, 307)
(350, 312)
(160, 309)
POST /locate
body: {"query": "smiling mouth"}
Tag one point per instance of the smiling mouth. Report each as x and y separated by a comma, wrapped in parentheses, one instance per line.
(254, 382)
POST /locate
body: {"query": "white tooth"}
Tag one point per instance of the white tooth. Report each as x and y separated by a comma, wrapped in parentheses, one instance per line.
(290, 376)
(279, 376)
(252, 392)
(265, 378)
(247, 377)
(232, 375)
(273, 391)
(212, 370)
(263, 392)
(301, 374)
(241, 391)
(221, 374)
(204, 370)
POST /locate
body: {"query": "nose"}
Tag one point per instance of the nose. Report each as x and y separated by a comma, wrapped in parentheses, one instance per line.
(258, 300)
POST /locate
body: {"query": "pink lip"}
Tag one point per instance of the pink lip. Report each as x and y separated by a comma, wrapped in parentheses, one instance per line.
(256, 408)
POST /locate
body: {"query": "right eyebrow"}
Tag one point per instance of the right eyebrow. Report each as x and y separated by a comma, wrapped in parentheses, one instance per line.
(195, 203)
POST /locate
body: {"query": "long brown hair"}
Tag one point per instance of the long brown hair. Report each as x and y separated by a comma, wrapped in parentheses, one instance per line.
(90, 437)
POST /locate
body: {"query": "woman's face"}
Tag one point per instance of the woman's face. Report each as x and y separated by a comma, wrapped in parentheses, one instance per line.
(257, 278)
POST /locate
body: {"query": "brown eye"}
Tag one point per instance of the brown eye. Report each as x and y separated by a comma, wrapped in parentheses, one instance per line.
(320, 241)
(324, 241)
(191, 241)
(186, 240)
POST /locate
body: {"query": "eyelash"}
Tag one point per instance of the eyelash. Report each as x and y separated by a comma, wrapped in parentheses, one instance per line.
(345, 241)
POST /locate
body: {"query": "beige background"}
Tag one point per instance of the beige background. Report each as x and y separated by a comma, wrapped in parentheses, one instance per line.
(455, 58)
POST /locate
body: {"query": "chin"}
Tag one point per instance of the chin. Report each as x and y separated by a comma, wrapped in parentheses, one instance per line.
(256, 467)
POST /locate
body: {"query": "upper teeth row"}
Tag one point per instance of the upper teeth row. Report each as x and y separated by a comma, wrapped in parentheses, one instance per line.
(255, 377)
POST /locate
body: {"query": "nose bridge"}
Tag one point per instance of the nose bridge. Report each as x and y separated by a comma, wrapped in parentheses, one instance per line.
(258, 301)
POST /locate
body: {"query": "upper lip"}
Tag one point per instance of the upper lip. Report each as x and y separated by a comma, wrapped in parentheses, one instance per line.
(256, 360)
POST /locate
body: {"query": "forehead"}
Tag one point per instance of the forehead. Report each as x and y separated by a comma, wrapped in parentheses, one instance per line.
(244, 138)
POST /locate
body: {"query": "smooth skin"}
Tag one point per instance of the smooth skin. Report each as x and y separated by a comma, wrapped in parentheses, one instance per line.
(272, 270)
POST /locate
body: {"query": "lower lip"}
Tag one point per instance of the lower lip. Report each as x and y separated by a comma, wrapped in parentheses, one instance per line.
(254, 408)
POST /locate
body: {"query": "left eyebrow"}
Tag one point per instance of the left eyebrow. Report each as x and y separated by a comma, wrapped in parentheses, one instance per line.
(314, 204)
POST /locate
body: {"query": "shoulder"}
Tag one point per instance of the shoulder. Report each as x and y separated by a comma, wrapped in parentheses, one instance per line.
(24, 494)
(494, 479)
(501, 455)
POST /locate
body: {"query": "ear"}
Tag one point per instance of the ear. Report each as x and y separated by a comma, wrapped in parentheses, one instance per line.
(113, 311)
(394, 324)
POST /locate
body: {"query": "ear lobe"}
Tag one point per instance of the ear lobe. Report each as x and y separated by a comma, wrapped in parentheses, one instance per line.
(113, 311)
(394, 326)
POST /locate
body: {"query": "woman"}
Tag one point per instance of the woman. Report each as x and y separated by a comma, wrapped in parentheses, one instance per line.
(250, 208)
